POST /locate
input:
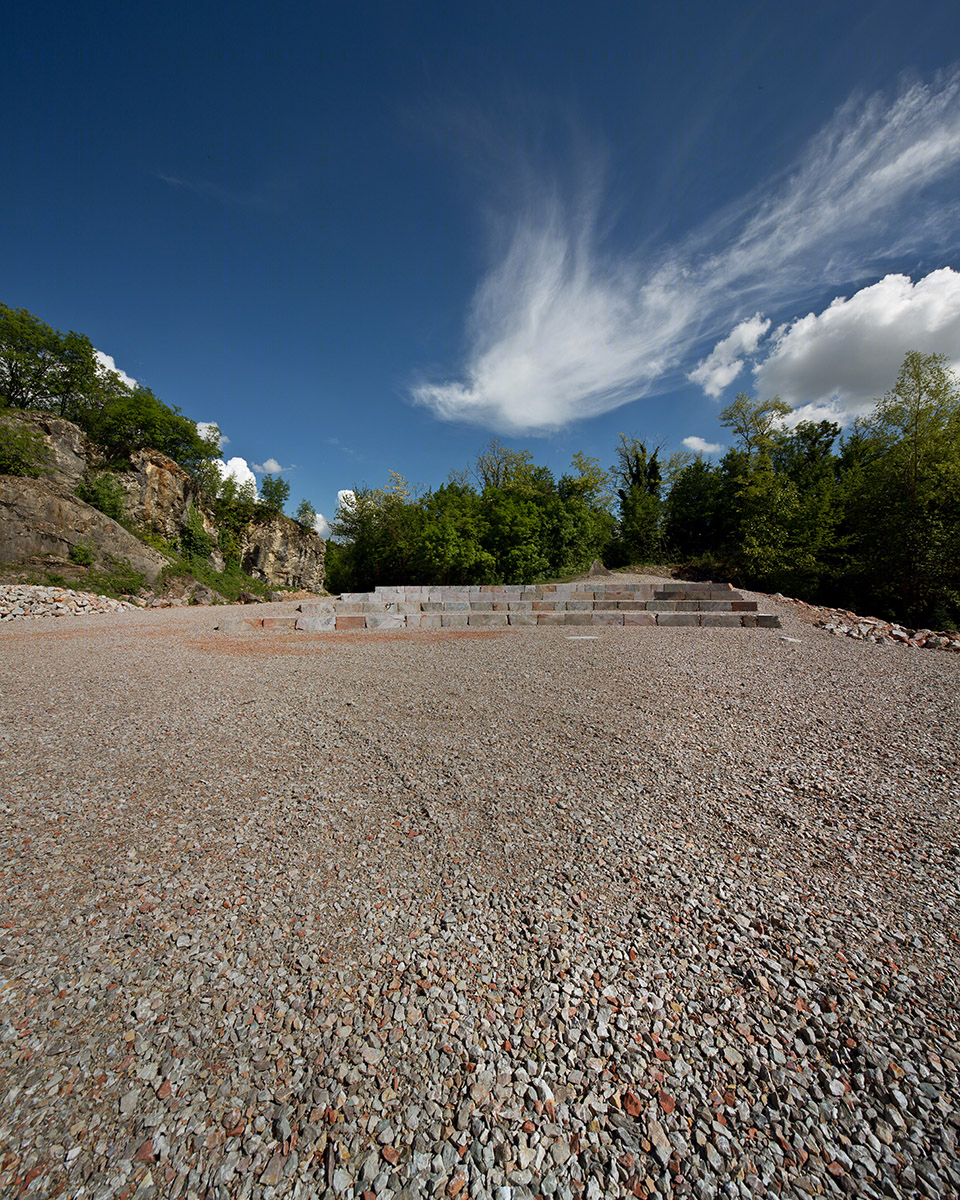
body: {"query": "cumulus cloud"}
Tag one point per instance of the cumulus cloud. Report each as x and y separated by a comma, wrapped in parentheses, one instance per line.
(238, 469)
(206, 428)
(321, 526)
(699, 446)
(726, 360)
(346, 498)
(106, 363)
(558, 330)
(833, 365)
(270, 467)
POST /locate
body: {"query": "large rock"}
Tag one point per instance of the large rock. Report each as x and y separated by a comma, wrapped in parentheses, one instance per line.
(38, 520)
(281, 552)
(66, 446)
(159, 494)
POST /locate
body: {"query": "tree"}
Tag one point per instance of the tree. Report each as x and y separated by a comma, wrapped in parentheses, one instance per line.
(306, 514)
(637, 470)
(274, 493)
(903, 495)
(44, 369)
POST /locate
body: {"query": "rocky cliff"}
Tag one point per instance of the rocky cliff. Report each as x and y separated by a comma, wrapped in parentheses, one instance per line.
(43, 519)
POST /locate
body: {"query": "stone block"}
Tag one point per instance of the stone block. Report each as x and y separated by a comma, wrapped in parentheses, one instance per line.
(548, 606)
(487, 620)
(427, 621)
(432, 606)
(715, 606)
(768, 621)
(481, 606)
(678, 618)
(410, 607)
(743, 606)
(386, 620)
(551, 618)
(280, 624)
(659, 606)
(315, 624)
(580, 605)
(723, 619)
(235, 626)
(456, 606)
(350, 609)
(317, 609)
(606, 618)
(355, 597)
(351, 621)
(520, 606)
(523, 618)
(577, 618)
(454, 620)
(639, 618)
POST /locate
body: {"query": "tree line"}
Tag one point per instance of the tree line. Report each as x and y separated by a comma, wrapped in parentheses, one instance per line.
(869, 520)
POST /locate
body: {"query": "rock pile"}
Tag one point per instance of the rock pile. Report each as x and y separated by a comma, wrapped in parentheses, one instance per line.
(26, 600)
(843, 623)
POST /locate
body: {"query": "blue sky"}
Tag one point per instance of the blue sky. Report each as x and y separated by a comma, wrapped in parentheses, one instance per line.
(368, 238)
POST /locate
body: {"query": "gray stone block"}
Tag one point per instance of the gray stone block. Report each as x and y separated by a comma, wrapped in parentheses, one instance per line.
(385, 621)
(487, 620)
(678, 618)
(315, 624)
(454, 620)
(639, 618)
(522, 618)
(722, 619)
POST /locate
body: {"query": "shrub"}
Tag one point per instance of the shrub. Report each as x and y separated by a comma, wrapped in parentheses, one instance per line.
(80, 554)
(195, 542)
(22, 451)
(103, 492)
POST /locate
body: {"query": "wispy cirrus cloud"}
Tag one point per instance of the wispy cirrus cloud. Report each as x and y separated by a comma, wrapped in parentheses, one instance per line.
(267, 198)
(560, 329)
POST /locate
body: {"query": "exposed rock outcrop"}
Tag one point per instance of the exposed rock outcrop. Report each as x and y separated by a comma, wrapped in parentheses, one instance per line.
(281, 551)
(40, 521)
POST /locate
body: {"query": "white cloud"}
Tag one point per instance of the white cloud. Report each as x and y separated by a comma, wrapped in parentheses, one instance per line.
(205, 428)
(236, 468)
(559, 331)
(345, 498)
(321, 526)
(106, 363)
(833, 365)
(699, 446)
(726, 360)
(270, 467)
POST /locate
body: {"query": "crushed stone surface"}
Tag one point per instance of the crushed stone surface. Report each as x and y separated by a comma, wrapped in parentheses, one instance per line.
(661, 912)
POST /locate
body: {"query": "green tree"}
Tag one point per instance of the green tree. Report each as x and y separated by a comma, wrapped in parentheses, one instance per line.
(23, 450)
(274, 493)
(637, 471)
(306, 514)
(42, 368)
(903, 495)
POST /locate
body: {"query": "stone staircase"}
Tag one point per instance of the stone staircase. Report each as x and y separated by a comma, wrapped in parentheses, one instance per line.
(494, 606)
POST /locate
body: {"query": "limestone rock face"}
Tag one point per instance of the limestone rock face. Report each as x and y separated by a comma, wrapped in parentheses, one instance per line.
(159, 492)
(282, 552)
(65, 443)
(39, 520)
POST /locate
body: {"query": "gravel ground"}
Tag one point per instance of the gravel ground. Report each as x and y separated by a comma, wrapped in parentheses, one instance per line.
(652, 912)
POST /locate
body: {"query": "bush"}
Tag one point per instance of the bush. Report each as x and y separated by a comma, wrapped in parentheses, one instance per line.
(80, 554)
(120, 580)
(22, 451)
(195, 542)
(105, 493)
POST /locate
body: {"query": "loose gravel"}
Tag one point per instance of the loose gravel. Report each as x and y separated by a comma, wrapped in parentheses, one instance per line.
(658, 912)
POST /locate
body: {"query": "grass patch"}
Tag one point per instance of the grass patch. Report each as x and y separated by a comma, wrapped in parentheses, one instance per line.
(230, 583)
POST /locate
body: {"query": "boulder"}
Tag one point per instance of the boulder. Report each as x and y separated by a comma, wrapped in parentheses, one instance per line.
(66, 445)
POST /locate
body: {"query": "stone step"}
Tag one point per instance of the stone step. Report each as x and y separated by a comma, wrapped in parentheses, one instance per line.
(504, 607)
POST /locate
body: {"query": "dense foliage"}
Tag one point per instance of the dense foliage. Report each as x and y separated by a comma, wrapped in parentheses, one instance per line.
(871, 521)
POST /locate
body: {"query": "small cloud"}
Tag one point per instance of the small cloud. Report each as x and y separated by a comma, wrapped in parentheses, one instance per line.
(321, 526)
(346, 498)
(107, 364)
(270, 467)
(838, 362)
(206, 428)
(699, 446)
(725, 362)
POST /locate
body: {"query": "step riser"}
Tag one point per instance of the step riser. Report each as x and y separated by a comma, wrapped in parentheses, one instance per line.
(426, 621)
